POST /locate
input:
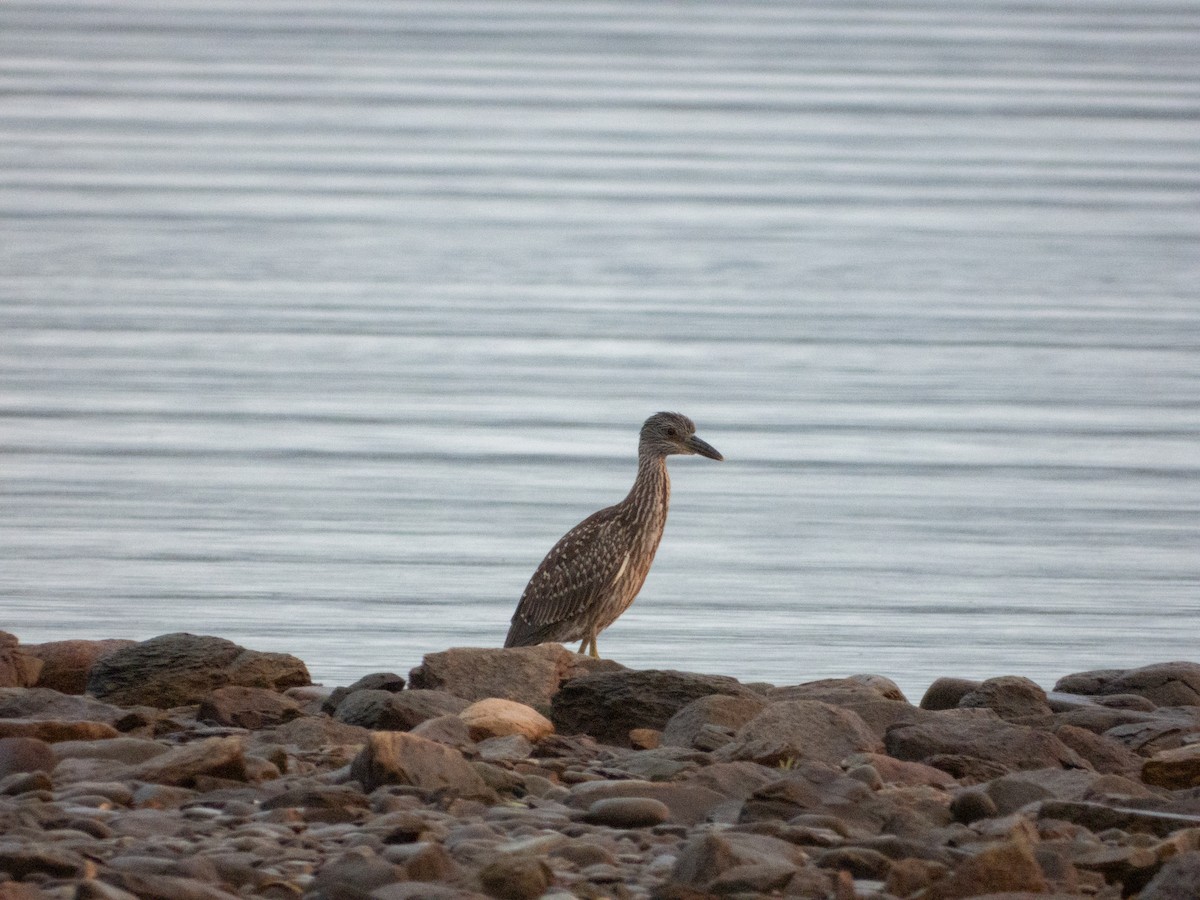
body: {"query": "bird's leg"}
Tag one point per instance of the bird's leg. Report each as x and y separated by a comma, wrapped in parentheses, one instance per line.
(584, 646)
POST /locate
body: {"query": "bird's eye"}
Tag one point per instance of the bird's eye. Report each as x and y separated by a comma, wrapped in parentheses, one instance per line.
(671, 432)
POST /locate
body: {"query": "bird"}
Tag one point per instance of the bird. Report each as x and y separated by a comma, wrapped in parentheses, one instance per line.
(596, 569)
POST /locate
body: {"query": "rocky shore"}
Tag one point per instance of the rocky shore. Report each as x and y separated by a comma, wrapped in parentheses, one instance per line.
(188, 768)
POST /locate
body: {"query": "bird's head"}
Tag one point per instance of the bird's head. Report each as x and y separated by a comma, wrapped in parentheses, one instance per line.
(665, 433)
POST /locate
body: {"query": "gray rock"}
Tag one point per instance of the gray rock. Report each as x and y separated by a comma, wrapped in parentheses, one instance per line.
(43, 704)
(397, 757)
(1166, 684)
(448, 729)
(403, 711)
(22, 860)
(1011, 697)
(376, 681)
(971, 806)
(177, 669)
(683, 728)
(609, 705)
(66, 664)
(127, 750)
(810, 787)
(252, 708)
(689, 803)
(52, 731)
(529, 675)
(1099, 817)
(218, 757)
(314, 733)
(1008, 746)
(708, 856)
(792, 730)
(354, 876)
(22, 754)
(1179, 879)
(627, 812)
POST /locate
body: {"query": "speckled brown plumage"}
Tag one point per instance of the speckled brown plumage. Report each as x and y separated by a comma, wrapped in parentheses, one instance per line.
(596, 569)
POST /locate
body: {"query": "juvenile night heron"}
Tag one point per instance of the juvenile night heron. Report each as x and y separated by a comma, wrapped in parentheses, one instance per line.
(596, 569)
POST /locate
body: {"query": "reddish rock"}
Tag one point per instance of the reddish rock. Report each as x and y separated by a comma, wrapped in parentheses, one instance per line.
(707, 857)
(66, 664)
(1174, 769)
(396, 757)
(1010, 697)
(1009, 866)
(178, 669)
(609, 705)
(25, 754)
(685, 727)
(792, 730)
(1106, 754)
(496, 717)
(44, 704)
(1166, 684)
(218, 757)
(529, 675)
(247, 707)
(53, 731)
(18, 668)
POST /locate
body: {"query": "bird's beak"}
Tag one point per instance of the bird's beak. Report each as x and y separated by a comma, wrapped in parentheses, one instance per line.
(695, 445)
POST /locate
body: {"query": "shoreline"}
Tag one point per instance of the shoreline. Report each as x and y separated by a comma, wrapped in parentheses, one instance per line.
(193, 767)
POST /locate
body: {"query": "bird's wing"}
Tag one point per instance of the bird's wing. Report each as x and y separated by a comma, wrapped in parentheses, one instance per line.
(576, 572)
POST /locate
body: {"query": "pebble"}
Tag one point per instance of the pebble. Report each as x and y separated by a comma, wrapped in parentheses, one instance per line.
(627, 812)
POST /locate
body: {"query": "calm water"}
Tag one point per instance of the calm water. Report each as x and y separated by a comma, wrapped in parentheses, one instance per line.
(321, 321)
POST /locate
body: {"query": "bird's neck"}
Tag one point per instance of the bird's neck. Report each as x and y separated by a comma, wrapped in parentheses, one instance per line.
(651, 491)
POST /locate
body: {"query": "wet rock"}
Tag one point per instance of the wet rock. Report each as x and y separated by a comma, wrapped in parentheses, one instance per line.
(403, 711)
(689, 723)
(252, 708)
(496, 717)
(1011, 747)
(218, 757)
(376, 681)
(708, 856)
(609, 705)
(354, 876)
(396, 757)
(861, 862)
(971, 806)
(66, 663)
(688, 803)
(18, 668)
(1106, 754)
(945, 693)
(529, 675)
(23, 860)
(793, 730)
(627, 812)
(1166, 684)
(1009, 866)
(177, 669)
(1179, 879)
(1172, 769)
(51, 731)
(516, 878)
(1010, 697)
(23, 754)
(43, 704)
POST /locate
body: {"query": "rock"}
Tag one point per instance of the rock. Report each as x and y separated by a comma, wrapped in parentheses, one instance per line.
(44, 704)
(945, 693)
(689, 804)
(12, 890)
(1011, 697)
(18, 668)
(177, 669)
(812, 787)
(510, 747)
(627, 812)
(22, 860)
(496, 717)
(896, 771)
(1161, 733)
(23, 782)
(314, 733)
(1097, 817)
(683, 728)
(708, 856)
(1011, 747)
(449, 730)
(66, 663)
(645, 738)
(218, 757)
(1166, 684)
(127, 750)
(23, 754)
(734, 780)
(516, 877)
(971, 806)
(1106, 754)
(354, 876)
(422, 890)
(793, 730)
(1172, 769)
(396, 757)
(1178, 879)
(376, 681)
(403, 711)
(52, 731)
(529, 675)
(861, 862)
(252, 708)
(609, 705)
(1009, 866)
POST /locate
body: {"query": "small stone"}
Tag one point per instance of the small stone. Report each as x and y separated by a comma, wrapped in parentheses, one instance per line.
(353, 876)
(376, 681)
(516, 878)
(218, 757)
(396, 757)
(403, 711)
(645, 738)
(627, 812)
(496, 717)
(1179, 879)
(17, 668)
(1009, 866)
(1172, 769)
(945, 693)
(23, 860)
(971, 806)
(860, 862)
(53, 731)
(509, 747)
